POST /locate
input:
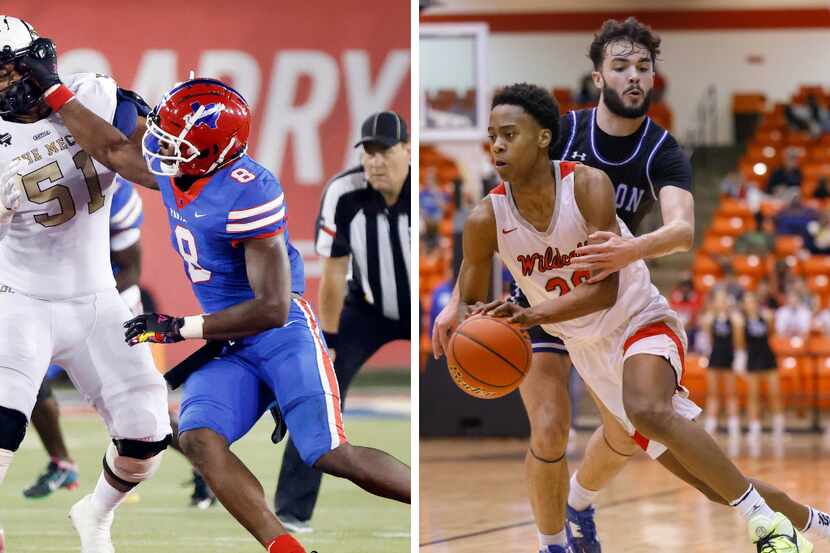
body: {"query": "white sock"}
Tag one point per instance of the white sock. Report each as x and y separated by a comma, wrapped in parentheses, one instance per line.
(755, 428)
(5, 462)
(106, 498)
(779, 424)
(580, 498)
(552, 539)
(818, 526)
(750, 503)
(733, 425)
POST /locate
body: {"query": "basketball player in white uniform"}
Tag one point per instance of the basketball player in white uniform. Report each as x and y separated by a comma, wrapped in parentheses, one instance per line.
(58, 301)
(623, 339)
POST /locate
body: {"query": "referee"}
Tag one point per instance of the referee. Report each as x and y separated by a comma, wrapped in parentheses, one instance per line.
(364, 217)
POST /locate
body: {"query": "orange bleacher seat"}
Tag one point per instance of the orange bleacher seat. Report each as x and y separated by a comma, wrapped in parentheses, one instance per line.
(732, 226)
(748, 282)
(770, 207)
(817, 265)
(819, 345)
(798, 138)
(732, 207)
(563, 95)
(788, 244)
(751, 265)
(704, 282)
(818, 372)
(703, 264)
(694, 376)
(820, 286)
(717, 245)
(772, 137)
(748, 102)
(786, 346)
(814, 171)
(790, 376)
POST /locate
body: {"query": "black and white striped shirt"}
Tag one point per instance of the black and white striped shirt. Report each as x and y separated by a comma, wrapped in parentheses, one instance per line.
(355, 220)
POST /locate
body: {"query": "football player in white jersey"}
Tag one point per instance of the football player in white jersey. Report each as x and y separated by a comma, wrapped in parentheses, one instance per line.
(623, 339)
(58, 301)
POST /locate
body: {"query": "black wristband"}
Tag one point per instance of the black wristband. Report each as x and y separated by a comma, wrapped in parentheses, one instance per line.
(331, 339)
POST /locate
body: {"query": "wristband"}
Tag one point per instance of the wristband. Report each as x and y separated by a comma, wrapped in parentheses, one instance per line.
(58, 96)
(331, 339)
(192, 327)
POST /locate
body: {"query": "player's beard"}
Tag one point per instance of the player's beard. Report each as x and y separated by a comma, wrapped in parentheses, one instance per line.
(614, 102)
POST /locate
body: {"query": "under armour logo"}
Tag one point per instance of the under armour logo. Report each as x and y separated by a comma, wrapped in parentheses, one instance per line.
(5, 289)
(580, 157)
(823, 519)
(6, 139)
(207, 115)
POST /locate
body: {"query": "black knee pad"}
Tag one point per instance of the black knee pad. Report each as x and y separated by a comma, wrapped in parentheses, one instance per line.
(141, 450)
(45, 391)
(12, 428)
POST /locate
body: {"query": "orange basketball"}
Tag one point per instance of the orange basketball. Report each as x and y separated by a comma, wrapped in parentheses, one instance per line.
(488, 357)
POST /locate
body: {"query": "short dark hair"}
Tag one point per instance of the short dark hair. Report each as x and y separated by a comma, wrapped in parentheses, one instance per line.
(629, 30)
(536, 101)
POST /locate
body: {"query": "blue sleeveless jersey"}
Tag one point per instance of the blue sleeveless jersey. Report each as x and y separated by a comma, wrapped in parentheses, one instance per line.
(209, 222)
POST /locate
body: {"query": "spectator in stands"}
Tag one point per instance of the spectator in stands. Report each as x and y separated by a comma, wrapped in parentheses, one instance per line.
(686, 301)
(821, 322)
(817, 239)
(733, 185)
(765, 297)
(793, 319)
(760, 241)
(431, 199)
(794, 218)
(730, 282)
(822, 191)
(440, 297)
(588, 92)
(809, 117)
(788, 175)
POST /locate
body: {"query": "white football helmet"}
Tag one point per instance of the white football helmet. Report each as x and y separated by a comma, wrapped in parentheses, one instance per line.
(16, 36)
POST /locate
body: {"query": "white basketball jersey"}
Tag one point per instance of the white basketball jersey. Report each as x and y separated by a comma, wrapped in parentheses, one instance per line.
(58, 244)
(539, 262)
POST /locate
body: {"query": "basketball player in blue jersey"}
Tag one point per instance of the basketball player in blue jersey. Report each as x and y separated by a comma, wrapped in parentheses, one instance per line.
(646, 167)
(126, 217)
(228, 223)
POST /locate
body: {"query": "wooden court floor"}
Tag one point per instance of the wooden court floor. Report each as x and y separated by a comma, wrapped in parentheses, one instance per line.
(473, 499)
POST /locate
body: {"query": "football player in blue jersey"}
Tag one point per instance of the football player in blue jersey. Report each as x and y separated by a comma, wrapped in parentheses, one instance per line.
(228, 221)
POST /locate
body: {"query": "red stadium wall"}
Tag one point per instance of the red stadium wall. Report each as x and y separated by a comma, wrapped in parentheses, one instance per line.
(312, 72)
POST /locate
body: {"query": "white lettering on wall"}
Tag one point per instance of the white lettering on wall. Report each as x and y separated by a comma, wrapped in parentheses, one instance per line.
(282, 118)
(83, 60)
(238, 69)
(365, 99)
(157, 73)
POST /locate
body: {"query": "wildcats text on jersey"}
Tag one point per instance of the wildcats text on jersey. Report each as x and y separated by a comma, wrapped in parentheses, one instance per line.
(547, 261)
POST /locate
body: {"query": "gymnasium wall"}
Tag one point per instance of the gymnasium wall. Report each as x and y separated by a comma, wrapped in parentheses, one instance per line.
(311, 76)
(735, 49)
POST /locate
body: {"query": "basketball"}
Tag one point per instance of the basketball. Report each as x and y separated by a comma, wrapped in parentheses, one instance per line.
(488, 357)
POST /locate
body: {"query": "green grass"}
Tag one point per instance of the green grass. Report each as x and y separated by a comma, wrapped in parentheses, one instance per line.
(347, 520)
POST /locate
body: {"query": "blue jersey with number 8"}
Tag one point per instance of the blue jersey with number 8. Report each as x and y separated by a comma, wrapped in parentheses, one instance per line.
(209, 222)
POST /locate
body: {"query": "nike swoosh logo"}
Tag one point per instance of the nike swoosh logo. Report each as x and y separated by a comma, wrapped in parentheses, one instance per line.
(505, 231)
(200, 215)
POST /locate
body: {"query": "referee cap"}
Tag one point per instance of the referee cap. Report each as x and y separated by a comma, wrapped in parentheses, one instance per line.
(385, 127)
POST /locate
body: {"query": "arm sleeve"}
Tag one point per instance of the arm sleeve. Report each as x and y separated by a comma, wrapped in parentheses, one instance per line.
(671, 167)
(258, 212)
(126, 212)
(332, 228)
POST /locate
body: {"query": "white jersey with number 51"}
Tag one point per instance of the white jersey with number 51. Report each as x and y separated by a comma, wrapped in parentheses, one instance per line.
(58, 243)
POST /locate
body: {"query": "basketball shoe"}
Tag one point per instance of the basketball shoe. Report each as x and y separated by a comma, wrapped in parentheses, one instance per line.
(777, 535)
(557, 549)
(582, 531)
(59, 474)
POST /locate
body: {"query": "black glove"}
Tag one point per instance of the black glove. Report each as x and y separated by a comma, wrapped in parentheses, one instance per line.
(41, 63)
(153, 327)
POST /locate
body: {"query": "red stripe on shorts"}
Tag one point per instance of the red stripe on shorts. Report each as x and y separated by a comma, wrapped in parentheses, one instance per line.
(648, 331)
(330, 375)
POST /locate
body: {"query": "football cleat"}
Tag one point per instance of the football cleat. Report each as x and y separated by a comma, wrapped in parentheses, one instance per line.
(92, 527)
(202, 497)
(280, 430)
(295, 525)
(582, 531)
(777, 535)
(57, 475)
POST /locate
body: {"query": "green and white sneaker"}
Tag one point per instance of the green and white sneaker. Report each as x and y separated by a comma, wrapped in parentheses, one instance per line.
(777, 535)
